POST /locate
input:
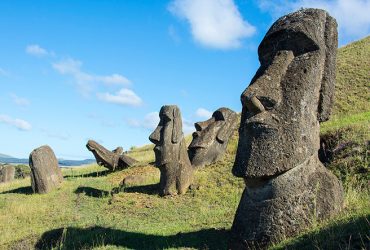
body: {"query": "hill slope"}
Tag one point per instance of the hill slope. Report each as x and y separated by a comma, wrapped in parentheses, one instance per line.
(353, 79)
(89, 212)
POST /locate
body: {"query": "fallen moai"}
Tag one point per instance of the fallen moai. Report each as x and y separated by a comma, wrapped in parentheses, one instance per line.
(113, 160)
(7, 173)
(45, 172)
(211, 137)
(287, 187)
(171, 156)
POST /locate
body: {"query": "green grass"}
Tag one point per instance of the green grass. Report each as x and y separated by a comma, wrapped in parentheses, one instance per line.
(88, 212)
(93, 216)
(353, 79)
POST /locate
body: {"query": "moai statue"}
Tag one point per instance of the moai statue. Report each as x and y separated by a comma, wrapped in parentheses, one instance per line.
(287, 187)
(171, 156)
(211, 137)
(113, 160)
(45, 172)
(7, 173)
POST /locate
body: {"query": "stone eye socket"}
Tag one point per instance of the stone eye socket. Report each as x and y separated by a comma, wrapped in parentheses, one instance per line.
(267, 103)
(165, 119)
(219, 116)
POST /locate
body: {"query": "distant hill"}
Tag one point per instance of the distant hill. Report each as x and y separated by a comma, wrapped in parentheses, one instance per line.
(5, 156)
(353, 79)
(62, 162)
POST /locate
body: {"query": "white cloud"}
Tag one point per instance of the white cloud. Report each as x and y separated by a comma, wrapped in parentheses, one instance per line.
(122, 97)
(353, 16)
(149, 122)
(20, 101)
(114, 79)
(214, 23)
(83, 80)
(36, 50)
(17, 123)
(187, 126)
(203, 113)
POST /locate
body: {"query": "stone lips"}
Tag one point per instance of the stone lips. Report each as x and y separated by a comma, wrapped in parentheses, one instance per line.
(113, 160)
(211, 137)
(45, 172)
(171, 156)
(277, 155)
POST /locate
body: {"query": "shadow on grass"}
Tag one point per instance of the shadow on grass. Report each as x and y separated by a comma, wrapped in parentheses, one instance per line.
(151, 189)
(93, 174)
(21, 190)
(351, 234)
(92, 192)
(76, 238)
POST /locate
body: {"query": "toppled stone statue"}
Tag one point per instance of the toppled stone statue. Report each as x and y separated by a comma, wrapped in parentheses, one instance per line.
(287, 187)
(45, 172)
(211, 137)
(171, 156)
(7, 173)
(113, 160)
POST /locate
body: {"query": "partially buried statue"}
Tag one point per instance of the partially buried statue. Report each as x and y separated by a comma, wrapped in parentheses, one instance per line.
(7, 173)
(211, 137)
(113, 160)
(45, 172)
(287, 187)
(171, 156)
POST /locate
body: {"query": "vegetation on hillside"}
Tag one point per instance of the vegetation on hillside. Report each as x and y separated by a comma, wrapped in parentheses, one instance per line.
(353, 79)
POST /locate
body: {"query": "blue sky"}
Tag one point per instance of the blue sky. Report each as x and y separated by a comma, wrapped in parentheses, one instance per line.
(77, 70)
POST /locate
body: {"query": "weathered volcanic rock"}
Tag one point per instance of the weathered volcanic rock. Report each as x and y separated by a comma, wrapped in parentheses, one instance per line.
(45, 172)
(7, 173)
(272, 209)
(171, 156)
(113, 160)
(286, 185)
(211, 137)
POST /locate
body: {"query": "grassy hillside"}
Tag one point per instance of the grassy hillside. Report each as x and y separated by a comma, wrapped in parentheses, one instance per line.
(92, 210)
(353, 79)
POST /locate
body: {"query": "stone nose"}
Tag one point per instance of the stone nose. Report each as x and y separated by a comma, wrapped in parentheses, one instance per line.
(254, 105)
(155, 137)
(265, 90)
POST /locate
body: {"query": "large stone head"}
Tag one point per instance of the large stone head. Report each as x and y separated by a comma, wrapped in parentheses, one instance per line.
(211, 137)
(290, 94)
(167, 136)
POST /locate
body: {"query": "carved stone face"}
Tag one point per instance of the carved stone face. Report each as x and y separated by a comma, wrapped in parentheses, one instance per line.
(167, 136)
(290, 93)
(211, 137)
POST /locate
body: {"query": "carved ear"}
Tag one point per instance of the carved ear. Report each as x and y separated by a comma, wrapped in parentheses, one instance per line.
(328, 80)
(177, 126)
(226, 131)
